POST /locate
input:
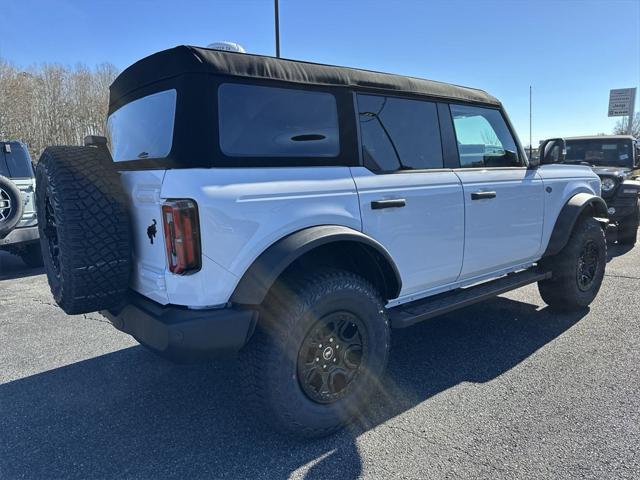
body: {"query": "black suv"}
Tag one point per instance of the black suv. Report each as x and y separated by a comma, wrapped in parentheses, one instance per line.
(18, 222)
(616, 159)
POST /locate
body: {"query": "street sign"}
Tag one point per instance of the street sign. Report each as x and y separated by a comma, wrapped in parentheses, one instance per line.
(621, 101)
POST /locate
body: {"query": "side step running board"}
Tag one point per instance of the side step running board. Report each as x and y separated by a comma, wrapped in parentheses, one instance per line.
(414, 312)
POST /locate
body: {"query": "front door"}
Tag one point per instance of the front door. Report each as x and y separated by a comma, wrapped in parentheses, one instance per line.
(408, 201)
(504, 200)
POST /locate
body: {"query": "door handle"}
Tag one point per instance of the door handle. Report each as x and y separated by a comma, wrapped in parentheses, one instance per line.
(391, 203)
(482, 195)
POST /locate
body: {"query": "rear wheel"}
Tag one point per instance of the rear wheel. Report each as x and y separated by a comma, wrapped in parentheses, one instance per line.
(84, 228)
(578, 270)
(320, 348)
(628, 228)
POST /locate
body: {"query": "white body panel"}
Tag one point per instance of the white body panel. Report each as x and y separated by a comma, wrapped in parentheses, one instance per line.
(425, 237)
(27, 187)
(565, 181)
(243, 211)
(505, 230)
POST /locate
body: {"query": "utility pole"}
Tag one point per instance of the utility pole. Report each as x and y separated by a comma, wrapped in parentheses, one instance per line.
(631, 116)
(277, 19)
(530, 118)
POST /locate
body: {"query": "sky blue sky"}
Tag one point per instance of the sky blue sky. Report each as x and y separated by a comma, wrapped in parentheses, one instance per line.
(572, 52)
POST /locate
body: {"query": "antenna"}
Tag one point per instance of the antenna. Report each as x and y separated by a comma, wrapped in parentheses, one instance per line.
(530, 117)
(277, 20)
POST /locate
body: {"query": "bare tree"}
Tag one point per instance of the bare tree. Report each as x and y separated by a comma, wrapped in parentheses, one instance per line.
(622, 126)
(53, 104)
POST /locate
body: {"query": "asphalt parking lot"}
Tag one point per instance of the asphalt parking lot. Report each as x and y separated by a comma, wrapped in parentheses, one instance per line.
(505, 389)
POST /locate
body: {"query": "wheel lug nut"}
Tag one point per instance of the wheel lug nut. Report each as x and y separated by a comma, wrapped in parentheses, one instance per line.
(324, 366)
(331, 339)
(317, 359)
(334, 359)
(320, 346)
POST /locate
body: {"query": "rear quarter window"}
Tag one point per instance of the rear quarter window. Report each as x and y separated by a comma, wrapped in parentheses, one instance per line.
(143, 128)
(259, 121)
(15, 161)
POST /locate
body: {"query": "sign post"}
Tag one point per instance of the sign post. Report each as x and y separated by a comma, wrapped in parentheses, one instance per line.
(622, 102)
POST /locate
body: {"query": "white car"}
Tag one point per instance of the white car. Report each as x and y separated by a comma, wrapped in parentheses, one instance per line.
(18, 222)
(297, 212)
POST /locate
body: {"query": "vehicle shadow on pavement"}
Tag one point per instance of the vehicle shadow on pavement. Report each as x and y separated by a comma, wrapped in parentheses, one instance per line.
(12, 267)
(131, 414)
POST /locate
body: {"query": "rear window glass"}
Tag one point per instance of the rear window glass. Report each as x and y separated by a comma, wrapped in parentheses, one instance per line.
(399, 133)
(15, 161)
(143, 128)
(256, 121)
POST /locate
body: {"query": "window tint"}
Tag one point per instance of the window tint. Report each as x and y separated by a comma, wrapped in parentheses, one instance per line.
(399, 133)
(483, 138)
(605, 152)
(15, 161)
(143, 128)
(257, 121)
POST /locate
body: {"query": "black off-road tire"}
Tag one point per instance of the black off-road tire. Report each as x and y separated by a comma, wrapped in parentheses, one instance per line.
(31, 255)
(9, 215)
(270, 361)
(628, 229)
(563, 292)
(84, 228)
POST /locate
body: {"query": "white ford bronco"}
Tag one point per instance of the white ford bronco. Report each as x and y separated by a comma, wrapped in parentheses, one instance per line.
(296, 213)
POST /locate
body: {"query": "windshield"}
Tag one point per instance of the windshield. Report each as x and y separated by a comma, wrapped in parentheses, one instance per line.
(602, 153)
(15, 161)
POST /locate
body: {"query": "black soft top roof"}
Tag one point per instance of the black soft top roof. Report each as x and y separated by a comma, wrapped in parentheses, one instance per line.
(187, 59)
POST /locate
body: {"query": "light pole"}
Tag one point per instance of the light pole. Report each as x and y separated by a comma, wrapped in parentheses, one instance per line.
(277, 20)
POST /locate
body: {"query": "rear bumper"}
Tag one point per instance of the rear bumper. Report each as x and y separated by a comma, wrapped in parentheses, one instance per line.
(20, 235)
(182, 334)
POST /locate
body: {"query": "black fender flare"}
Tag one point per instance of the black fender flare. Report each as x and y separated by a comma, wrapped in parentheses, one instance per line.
(265, 270)
(568, 217)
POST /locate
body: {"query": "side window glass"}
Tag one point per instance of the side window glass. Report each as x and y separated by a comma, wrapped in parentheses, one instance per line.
(399, 133)
(258, 121)
(483, 138)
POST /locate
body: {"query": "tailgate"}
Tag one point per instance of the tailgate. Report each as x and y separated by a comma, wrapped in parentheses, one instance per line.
(149, 256)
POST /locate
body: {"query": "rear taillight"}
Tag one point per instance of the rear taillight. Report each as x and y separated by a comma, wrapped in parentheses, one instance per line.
(182, 236)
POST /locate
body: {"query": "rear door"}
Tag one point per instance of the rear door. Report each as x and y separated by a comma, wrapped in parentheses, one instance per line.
(504, 200)
(408, 201)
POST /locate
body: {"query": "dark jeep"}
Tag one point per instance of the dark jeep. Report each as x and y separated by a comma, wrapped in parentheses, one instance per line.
(616, 159)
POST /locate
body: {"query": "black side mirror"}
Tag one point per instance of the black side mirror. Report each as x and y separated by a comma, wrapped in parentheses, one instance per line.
(553, 150)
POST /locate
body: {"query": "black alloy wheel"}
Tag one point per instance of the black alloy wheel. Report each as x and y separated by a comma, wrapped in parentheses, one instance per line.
(331, 355)
(587, 265)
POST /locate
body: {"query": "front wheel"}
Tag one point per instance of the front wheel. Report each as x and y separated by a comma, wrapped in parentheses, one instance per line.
(578, 270)
(319, 350)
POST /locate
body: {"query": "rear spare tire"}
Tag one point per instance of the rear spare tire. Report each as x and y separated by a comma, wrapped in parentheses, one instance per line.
(11, 206)
(84, 228)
